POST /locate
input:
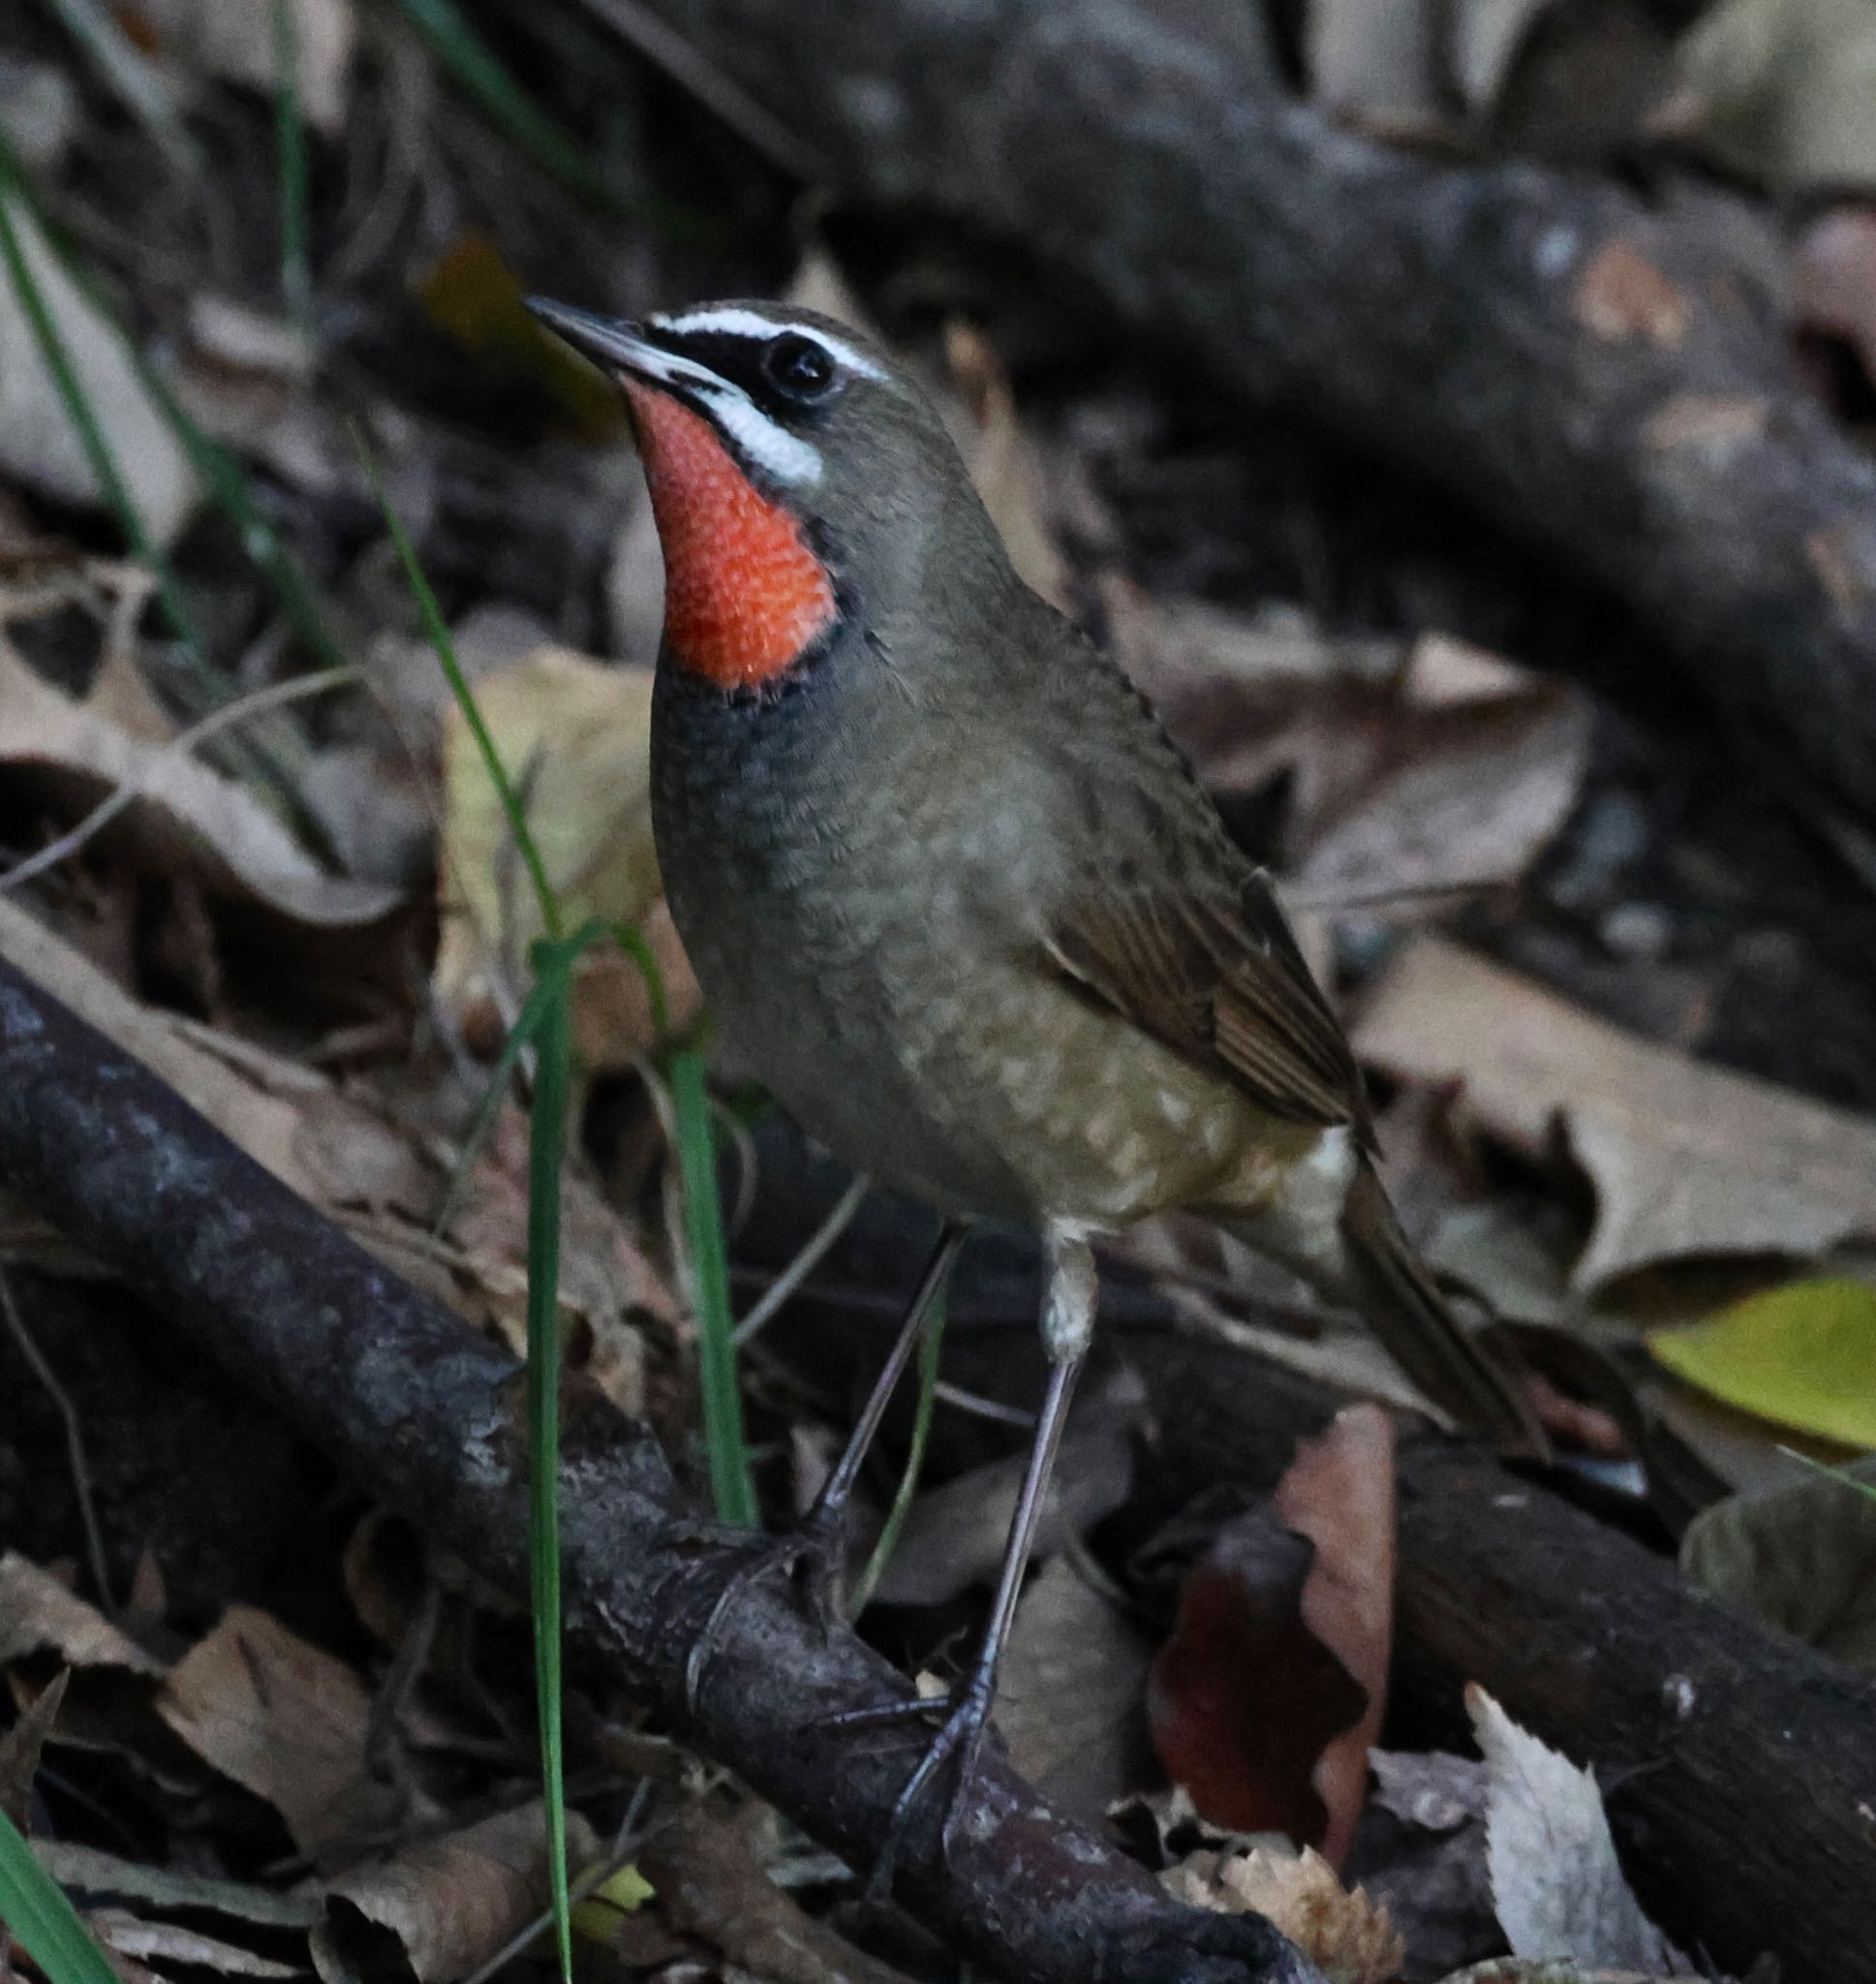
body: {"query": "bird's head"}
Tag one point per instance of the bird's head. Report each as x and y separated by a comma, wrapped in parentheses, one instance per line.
(799, 478)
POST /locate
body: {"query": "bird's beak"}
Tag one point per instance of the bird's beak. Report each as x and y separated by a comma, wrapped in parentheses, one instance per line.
(616, 344)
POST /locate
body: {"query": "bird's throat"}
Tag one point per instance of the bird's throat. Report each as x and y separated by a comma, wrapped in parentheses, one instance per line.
(744, 592)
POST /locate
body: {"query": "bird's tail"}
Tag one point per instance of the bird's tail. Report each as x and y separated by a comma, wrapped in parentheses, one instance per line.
(1408, 1313)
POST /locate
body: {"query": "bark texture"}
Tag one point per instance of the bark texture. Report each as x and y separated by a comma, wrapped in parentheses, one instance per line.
(1611, 381)
(424, 1414)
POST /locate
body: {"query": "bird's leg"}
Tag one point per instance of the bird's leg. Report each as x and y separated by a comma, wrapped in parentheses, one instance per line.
(1067, 1325)
(817, 1539)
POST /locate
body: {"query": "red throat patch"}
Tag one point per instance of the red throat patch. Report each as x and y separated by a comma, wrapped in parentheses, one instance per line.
(744, 593)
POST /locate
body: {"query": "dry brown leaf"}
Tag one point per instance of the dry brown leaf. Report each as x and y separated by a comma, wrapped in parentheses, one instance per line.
(236, 42)
(712, 1885)
(439, 1909)
(288, 1723)
(575, 737)
(1264, 1701)
(39, 444)
(1454, 771)
(20, 1746)
(1349, 1937)
(130, 1936)
(1686, 1159)
(1558, 1886)
(1432, 1789)
(285, 1116)
(187, 816)
(89, 1872)
(954, 1534)
(1002, 464)
(1835, 271)
(1070, 1704)
(38, 1615)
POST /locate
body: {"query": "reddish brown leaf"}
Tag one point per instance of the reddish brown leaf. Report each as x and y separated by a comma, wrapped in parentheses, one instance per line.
(1265, 1698)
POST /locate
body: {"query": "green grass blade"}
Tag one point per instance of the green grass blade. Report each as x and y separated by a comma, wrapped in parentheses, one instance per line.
(928, 1347)
(731, 1483)
(85, 423)
(131, 74)
(36, 1909)
(547, 1136)
(509, 107)
(290, 145)
(438, 633)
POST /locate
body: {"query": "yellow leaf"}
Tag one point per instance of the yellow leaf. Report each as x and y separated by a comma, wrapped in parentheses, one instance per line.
(623, 1893)
(1804, 1354)
(575, 737)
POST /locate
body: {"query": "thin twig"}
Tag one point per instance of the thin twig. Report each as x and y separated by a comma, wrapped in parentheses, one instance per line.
(179, 747)
(813, 1250)
(94, 1537)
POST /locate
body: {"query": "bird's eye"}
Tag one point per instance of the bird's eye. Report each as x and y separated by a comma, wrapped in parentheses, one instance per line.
(797, 366)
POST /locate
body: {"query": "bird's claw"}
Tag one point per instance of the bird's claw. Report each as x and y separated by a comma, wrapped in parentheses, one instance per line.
(812, 1555)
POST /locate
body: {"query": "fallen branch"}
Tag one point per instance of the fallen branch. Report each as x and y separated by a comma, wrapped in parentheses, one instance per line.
(1739, 1765)
(1607, 380)
(419, 1411)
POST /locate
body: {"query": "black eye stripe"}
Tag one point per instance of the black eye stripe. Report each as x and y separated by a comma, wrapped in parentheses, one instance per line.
(738, 356)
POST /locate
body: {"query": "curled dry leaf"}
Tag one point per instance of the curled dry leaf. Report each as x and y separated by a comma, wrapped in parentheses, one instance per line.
(1686, 1159)
(286, 1720)
(439, 1909)
(186, 815)
(38, 1614)
(1347, 1935)
(1558, 1886)
(1801, 1557)
(146, 1943)
(1264, 1702)
(38, 443)
(575, 737)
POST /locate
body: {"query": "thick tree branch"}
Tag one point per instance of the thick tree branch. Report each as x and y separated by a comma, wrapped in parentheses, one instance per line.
(1739, 1765)
(1606, 379)
(419, 1411)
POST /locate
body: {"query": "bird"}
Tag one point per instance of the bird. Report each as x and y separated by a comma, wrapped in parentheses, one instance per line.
(957, 899)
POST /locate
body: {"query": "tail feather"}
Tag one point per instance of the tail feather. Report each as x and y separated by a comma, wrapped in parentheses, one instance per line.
(1408, 1313)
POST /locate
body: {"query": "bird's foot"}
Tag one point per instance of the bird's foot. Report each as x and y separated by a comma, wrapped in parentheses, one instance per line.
(812, 1555)
(956, 1743)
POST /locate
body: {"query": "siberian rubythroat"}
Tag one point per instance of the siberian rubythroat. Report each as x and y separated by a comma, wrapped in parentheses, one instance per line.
(951, 891)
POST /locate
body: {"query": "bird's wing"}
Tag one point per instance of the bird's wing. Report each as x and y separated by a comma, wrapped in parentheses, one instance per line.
(1206, 963)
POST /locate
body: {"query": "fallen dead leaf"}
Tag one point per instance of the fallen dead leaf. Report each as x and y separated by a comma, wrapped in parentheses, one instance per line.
(1265, 1698)
(236, 43)
(1801, 1557)
(711, 1885)
(439, 1909)
(1621, 295)
(98, 1877)
(1686, 1159)
(1347, 1935)
(1432, 1789)
(38, 443)
(19, 1748)
(130, 1936)
(1555, 1882)
(1781, 89)
(1452, 769)
(1071, 1701)
(1836, 272)
(575, 738)
(38, 1615)
(954, 1534)
(186, 815)
(288, 1723)
(1002, 463)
